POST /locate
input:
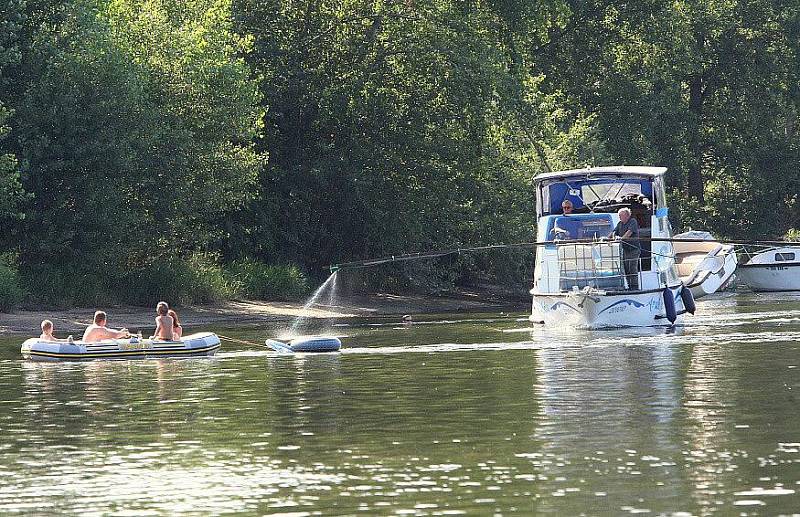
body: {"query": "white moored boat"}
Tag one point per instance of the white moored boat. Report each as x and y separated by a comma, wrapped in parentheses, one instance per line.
(579, 279)
(776, 269)
(704, 265)
(200, 344)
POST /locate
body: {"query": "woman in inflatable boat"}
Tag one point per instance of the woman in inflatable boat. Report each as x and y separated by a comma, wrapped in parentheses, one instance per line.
(177, 330)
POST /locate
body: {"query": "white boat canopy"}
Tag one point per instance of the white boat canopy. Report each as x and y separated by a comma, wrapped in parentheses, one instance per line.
(603, 171)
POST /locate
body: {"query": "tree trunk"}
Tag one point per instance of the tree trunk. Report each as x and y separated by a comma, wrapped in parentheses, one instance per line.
(694, 125)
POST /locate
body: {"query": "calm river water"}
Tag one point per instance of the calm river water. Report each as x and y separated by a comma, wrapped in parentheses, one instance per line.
(463, 414)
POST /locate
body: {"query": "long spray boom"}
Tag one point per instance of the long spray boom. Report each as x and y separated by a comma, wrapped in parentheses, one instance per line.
(424, 255)
(358, 264)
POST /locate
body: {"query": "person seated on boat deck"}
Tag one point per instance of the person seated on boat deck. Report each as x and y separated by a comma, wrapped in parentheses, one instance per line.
(177, 330)
(627, 230)
(564, 228)
(163, 323)
(47, 333)
(98, 331)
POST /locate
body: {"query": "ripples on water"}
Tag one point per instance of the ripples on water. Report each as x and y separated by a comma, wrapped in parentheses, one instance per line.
(472, 415)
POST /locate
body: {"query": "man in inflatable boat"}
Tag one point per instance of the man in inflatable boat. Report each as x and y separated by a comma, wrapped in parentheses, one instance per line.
(98, 331)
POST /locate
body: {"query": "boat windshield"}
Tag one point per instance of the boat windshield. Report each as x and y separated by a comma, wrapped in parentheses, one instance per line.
(600, 194)
(581, 226)
(593, 193)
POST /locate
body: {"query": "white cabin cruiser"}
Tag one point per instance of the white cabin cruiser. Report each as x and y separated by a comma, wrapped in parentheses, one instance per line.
(776, 269)
(579, 279)
(704, 265)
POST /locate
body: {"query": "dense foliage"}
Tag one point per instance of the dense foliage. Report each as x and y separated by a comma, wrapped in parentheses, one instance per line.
(11, 18)
(162, 148)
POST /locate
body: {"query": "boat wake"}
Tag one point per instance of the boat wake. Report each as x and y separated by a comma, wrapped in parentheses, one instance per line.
(443, 347)
(245, 353)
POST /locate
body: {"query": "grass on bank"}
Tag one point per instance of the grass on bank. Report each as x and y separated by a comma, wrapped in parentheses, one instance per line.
(11, 292)
(201, 278)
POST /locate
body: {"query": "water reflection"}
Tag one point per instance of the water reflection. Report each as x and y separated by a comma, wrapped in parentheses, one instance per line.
(607, 423)
(475, 415)
(306, 394)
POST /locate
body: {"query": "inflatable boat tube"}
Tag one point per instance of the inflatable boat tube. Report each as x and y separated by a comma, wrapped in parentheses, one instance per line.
(200, 344)
(306, 344)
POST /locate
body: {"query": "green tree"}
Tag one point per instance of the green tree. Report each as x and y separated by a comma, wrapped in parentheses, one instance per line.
(705, 88)
(392, 126)
(11, 20)
(136, 134)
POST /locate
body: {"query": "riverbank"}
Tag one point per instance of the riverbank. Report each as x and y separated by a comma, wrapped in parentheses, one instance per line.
(242, 312)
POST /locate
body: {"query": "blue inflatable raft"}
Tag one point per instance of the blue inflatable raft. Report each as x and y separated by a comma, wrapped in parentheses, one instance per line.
(200, 344)
(306, 344)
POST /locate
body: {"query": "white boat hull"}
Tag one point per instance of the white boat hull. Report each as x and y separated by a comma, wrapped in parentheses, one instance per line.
(772, 277)
(705, 267)
(708, 281)
(597, 309)
(711, 285)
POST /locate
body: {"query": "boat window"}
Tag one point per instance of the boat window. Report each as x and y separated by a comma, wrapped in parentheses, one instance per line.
(784, 257)
(598, 192)
(603, 194)
(579, 226)
(659, 197)
(545, 200)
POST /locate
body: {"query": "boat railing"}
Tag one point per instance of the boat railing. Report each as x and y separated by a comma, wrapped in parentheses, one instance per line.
(597, 264)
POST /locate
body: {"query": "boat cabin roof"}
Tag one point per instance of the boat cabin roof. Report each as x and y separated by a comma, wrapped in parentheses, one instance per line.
(621, 170)
(777, 256)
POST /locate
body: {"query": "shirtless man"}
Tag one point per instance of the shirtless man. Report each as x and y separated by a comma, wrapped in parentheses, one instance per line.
(98, 331)
(164, 323)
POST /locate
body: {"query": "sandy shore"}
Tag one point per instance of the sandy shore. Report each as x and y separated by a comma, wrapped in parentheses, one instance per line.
(74, 320)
